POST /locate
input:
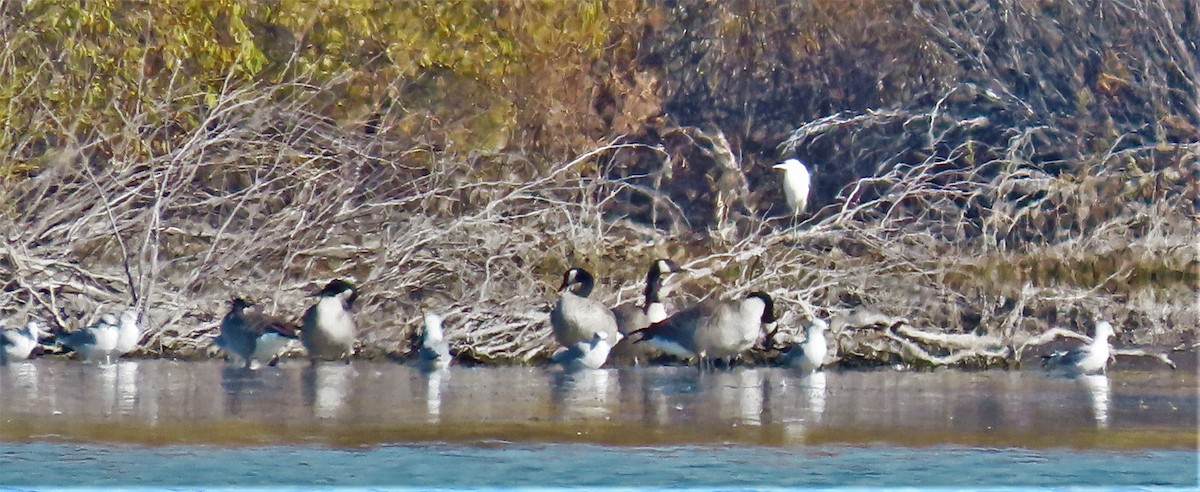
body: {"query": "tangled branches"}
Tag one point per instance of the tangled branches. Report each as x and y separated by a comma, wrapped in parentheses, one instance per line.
(989, 209)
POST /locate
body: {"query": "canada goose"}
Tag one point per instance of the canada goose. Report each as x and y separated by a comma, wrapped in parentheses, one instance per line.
(1088, 359)
(21, 343)
(254, 336)
(434, 350)
(128, 333)
(712, 329)
(328, 332)
(809, 355)
(96, 342)
(796, 183)
(585, 355)
(575, 318)
(631, 317)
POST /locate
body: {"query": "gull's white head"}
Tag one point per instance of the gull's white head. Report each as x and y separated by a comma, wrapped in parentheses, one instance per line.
(129, 317)
(1104, 331)
(817, 326)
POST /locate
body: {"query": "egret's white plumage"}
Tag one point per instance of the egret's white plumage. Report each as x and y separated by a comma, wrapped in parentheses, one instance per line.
(1088, 359)
(796, 184)
(809, 355)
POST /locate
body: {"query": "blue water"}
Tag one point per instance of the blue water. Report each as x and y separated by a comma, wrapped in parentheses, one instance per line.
(586, 465)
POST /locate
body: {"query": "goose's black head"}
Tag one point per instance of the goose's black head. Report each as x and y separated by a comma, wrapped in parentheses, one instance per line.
(768, 315)
(580, 278)
(340, 288)
(239, 304)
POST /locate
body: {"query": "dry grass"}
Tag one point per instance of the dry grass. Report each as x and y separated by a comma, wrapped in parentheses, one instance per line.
(981, 214)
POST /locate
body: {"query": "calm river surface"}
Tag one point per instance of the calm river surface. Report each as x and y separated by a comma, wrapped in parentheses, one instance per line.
(203, 424)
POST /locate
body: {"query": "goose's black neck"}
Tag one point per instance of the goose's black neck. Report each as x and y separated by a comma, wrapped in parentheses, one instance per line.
(653, 284)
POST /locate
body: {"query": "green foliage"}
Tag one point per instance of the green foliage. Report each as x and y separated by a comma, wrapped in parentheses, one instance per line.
(76, 71)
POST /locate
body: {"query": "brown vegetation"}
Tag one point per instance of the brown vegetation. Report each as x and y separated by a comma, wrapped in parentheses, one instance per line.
(982, 173)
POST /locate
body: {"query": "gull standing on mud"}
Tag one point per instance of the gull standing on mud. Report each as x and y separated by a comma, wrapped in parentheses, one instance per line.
(712, 329)
(575, 318)
(796, 184)
(96, 342)
(434, 350)
(585, 355)
(328, 332)
(254, 336)
(1088, 359)
(20, 343)
(128, 333)
(809, 355)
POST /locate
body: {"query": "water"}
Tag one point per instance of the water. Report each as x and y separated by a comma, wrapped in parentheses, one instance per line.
(200, 424)
(555, 465)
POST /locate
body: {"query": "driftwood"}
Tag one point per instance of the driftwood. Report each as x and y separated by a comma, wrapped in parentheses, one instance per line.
(1137, 352)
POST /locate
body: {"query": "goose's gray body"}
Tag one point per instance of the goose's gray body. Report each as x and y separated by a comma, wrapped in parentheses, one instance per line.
(1088, 359)
(712, 329)
(254, 336)
(809, 355)
(328, 332)
(576, 318)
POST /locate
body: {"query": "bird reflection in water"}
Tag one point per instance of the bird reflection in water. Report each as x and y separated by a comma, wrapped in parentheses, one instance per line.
(812, 387)
(20, 381)
(241, 385)
(435, 381)
(1099, 391)
(107, 376)
(738, 395)
(327, 388)
(814, 392)
(126, 390)
(583, 393)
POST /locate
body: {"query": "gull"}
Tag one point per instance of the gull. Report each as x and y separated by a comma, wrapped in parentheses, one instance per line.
(1088, 359)
(21, 343)
(96, 342)
(128, 333)
(434, 350)
(809, 355)
(585, 355)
